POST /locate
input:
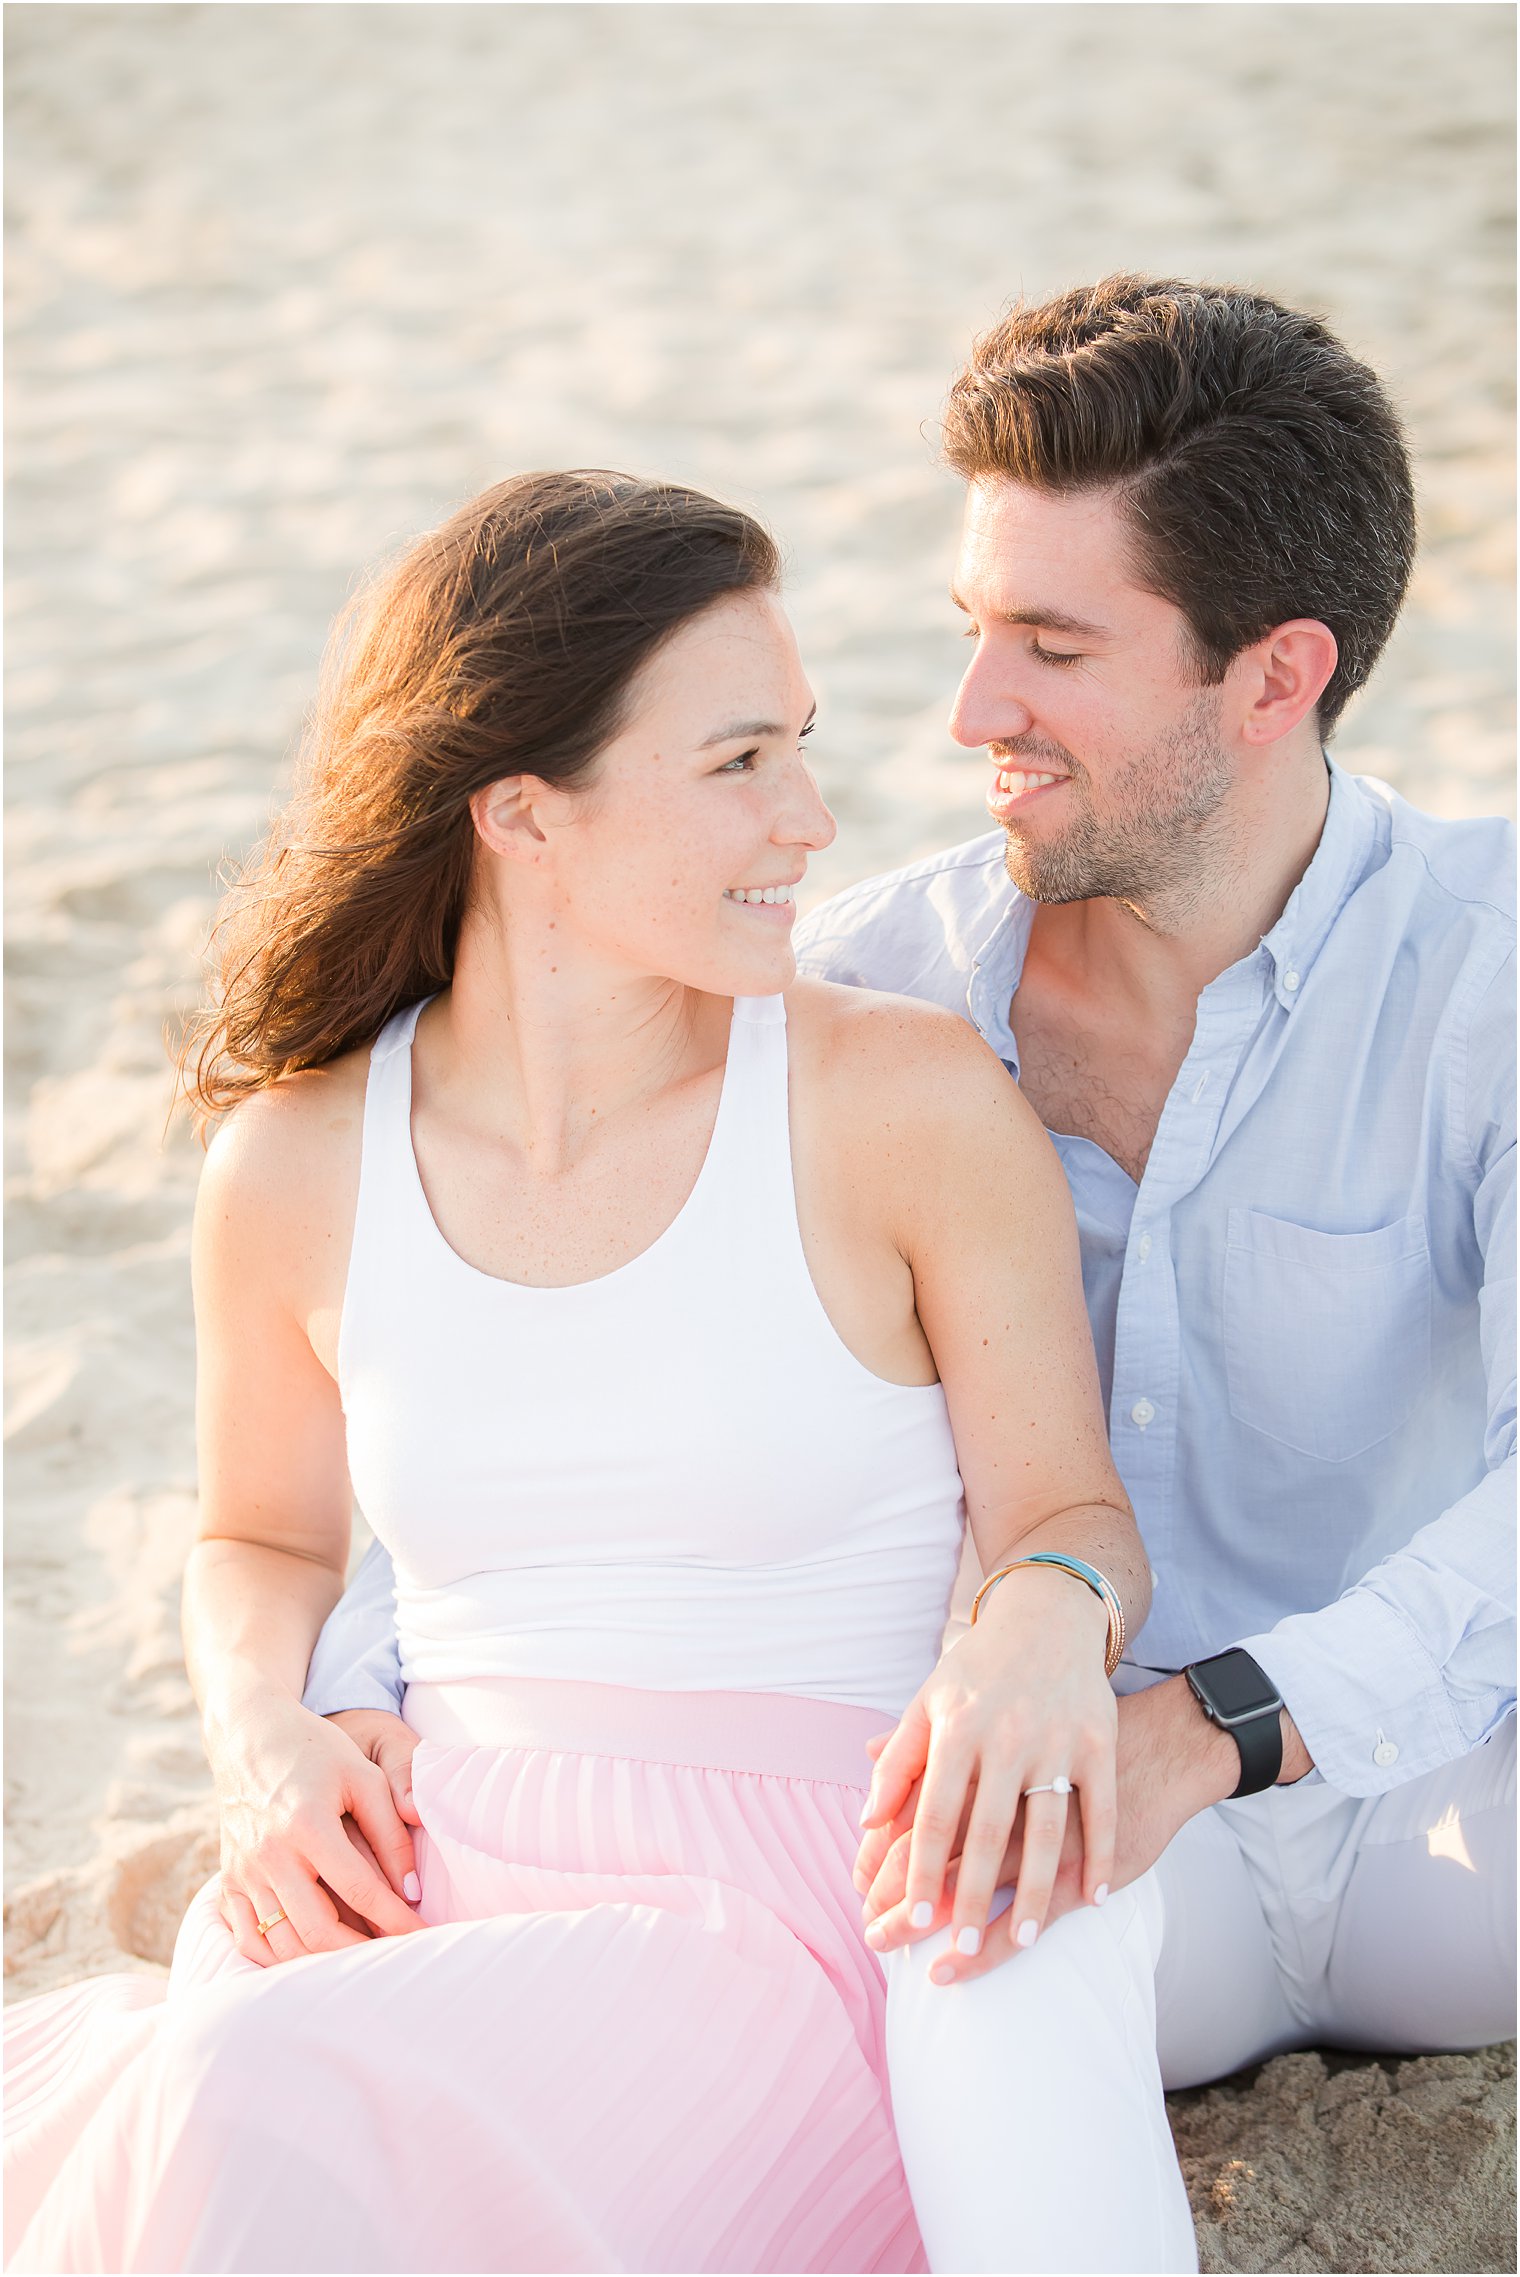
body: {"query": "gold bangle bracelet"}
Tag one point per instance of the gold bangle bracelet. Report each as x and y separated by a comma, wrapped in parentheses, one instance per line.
(1107, 1593)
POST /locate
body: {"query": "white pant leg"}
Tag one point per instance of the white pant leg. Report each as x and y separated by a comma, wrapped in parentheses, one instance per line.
(1220, 2002)
(1304, 1917)
(1028, 2103)
(1423, 1953)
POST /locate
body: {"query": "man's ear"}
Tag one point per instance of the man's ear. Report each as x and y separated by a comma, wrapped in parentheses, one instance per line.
(1284, 675)
(505, 819)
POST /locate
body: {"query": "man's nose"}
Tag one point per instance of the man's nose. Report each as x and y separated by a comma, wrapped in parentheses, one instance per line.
(986, 708)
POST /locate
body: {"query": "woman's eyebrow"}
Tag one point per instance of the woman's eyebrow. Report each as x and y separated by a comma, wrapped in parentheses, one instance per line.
(1053, 620)
(750, 727)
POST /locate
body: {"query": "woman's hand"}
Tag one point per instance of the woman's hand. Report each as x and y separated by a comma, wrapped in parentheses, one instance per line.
(1171, 1763)
(287, 1781)
(886, 1911)
(1018, 1702)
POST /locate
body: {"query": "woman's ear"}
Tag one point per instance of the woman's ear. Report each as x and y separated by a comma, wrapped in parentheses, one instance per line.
(1289, 671)
(504, 817)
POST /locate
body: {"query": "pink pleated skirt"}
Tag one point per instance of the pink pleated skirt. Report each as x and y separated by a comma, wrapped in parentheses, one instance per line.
(640, 2031)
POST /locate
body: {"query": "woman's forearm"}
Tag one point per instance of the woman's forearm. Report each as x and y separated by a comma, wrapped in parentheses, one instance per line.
(250, 1619)
(1101, 1535)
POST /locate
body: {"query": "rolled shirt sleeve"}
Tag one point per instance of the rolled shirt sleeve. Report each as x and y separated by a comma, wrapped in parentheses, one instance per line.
(357, 1660)
(1414, 1665)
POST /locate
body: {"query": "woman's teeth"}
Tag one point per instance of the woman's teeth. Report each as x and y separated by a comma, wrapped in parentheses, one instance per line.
(757, 893)
(1015, 784)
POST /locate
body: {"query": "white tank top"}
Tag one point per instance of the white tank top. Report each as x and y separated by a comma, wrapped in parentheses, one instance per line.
(676, 1476)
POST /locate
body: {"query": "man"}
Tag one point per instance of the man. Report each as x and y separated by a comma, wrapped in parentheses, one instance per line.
(1266, 1011)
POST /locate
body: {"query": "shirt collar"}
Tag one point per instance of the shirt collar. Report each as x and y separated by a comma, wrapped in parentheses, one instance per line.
(1326, 886)
(997, 964)
(1334, 872)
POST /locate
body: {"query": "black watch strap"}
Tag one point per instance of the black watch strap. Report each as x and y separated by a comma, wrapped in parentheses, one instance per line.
(1257, 1733)
(1259, 1739)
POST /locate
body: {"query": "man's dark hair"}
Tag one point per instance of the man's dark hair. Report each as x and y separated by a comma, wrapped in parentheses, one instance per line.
(1261, 468)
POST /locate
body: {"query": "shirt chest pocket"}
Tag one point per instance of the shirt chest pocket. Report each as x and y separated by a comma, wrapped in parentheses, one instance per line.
(1327, 1335)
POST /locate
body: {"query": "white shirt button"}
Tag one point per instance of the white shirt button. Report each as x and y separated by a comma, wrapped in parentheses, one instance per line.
(1385, 1753)
(1290, 981)
(1142, 1413)
(1143, 1247)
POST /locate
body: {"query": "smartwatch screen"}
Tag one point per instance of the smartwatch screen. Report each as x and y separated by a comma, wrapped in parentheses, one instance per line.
(1235, 1684)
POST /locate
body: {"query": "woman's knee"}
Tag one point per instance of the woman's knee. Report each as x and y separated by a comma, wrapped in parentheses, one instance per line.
(204, 1951)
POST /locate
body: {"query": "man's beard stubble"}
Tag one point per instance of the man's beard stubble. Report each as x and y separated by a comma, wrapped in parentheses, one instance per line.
(1154, 846)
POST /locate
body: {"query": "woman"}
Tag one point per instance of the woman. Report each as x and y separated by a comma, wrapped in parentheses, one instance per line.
(636, 1292)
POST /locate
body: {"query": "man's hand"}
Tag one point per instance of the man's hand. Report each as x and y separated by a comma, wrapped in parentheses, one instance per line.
(315, 1828)
(1172, 1763)
(391, 1744)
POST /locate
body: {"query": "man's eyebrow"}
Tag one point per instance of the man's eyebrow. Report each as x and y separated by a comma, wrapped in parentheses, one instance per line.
(745, 728)
(1053, 620)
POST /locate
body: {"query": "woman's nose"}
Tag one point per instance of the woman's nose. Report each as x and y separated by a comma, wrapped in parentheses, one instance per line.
(806, 821)
(986, 710)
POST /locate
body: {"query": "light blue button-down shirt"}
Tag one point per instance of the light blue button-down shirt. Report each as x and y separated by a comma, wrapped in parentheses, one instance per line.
(1304, 1312)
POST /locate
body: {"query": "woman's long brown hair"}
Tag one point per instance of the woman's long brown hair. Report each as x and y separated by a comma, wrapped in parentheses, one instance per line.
(503, 643)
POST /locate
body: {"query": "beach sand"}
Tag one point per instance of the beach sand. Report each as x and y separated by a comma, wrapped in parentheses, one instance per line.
(285, 283)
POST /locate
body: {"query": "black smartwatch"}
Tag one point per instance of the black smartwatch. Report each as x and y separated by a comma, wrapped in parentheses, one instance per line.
(1241, 1698)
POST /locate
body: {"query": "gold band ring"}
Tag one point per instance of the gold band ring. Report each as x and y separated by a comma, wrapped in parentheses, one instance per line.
(264, 1927)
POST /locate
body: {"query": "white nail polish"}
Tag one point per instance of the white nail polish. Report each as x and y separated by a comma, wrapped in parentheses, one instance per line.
(922, 1914)
(968, 1940)
(1027, 1932)
(411, 1889)
(1100, 1893)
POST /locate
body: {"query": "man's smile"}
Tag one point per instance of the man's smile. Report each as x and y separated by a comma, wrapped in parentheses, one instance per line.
(1017, 787)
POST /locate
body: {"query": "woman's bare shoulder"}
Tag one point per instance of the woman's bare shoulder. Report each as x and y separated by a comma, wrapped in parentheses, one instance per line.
(288, 1156)
(924, 1108)
(868, 1045)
